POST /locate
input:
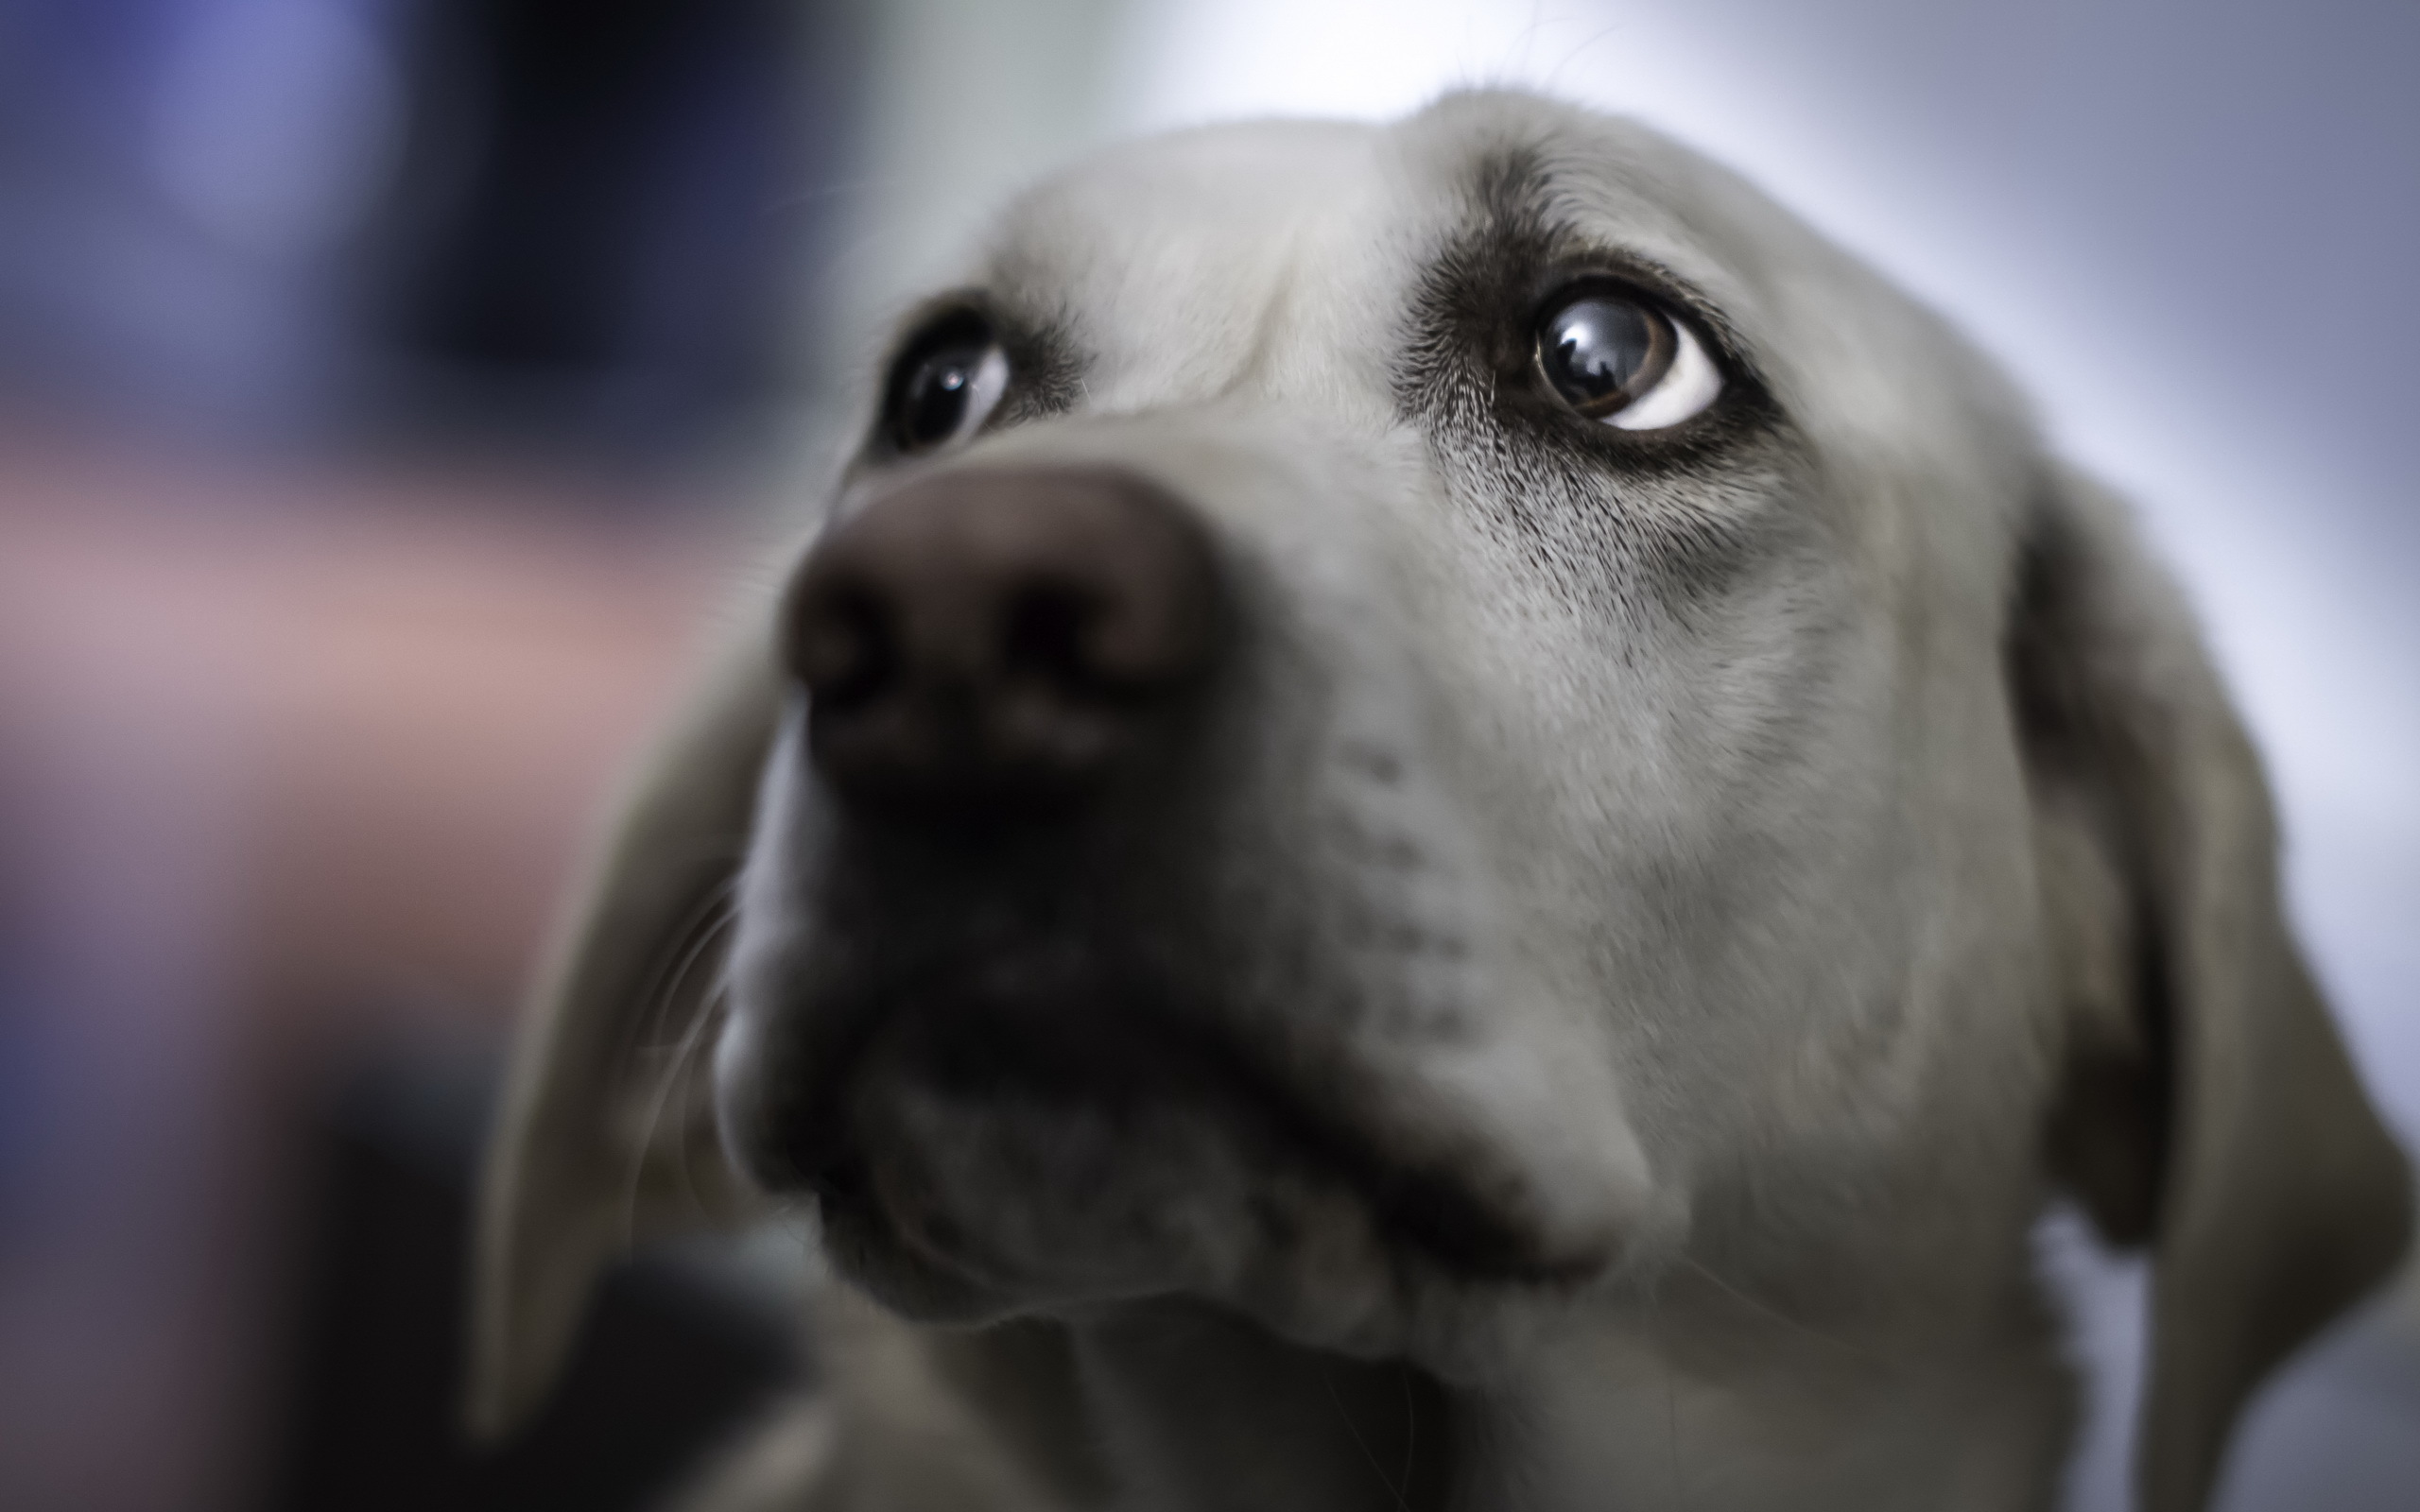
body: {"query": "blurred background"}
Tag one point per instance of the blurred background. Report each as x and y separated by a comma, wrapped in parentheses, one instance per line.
(390, 388)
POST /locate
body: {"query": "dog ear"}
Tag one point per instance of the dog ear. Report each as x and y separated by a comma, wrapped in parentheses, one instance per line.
(606, 1132)
(2209, 1108)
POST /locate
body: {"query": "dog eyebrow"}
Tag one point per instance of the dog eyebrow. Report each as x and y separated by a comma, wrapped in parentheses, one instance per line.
(1508, 194)
(1512, 223)
(1047, 368)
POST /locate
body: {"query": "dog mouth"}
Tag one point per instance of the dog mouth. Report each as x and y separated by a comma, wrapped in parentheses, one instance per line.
(1031, 1125)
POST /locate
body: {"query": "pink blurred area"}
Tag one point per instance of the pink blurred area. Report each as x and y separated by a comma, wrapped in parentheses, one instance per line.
(290, 759)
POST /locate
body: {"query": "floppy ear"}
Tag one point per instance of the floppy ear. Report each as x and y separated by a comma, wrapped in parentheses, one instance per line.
(606, 1134)
(2209, 1108)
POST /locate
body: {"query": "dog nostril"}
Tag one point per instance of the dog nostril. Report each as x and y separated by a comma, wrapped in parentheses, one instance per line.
(1049, 637)
(845, 648)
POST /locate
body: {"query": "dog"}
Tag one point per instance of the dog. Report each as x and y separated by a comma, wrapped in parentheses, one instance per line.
(1445, 818)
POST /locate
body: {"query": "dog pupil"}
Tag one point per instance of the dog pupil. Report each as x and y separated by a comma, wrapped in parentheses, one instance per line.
(1600, 345)
(937, 400)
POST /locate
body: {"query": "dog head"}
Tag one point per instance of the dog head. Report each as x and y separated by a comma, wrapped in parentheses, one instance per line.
(1393, 725)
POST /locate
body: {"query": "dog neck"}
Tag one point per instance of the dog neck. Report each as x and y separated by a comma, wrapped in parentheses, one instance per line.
(1201, 1411)
(1190, 1408)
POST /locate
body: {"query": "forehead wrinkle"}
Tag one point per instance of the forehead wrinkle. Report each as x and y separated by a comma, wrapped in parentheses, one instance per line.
(1205, 264)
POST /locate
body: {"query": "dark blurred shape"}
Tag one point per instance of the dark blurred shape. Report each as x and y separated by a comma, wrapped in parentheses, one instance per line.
(292, 759)
(601, 225)
(523, 223)
(676, 1354)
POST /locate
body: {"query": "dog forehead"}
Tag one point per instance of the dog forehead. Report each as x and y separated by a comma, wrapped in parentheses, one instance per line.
(1289, 262)
(1272, 255)
(1285, 254)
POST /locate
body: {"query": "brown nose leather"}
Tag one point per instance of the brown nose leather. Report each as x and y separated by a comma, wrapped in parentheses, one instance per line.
(990, 641)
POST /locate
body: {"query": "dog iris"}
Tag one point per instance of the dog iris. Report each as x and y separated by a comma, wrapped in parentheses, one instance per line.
(1621, 360)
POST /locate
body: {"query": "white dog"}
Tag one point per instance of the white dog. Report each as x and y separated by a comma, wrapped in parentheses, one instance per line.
(1449, 819)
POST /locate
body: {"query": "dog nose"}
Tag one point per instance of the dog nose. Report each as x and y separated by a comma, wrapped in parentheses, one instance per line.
(991, 641)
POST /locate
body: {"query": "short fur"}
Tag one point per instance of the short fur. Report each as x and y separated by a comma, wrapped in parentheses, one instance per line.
(1742, 875)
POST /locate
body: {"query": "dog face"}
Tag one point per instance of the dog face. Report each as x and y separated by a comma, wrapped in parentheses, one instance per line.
(1528, 825)
(1399, 728)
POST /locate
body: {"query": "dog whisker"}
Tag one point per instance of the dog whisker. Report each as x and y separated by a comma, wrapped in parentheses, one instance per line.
(707, 1024)
(710, 914)
(706, 939)
(709, 1017)
(1671, 1416)
(641, 1152)
(1864, 1356)
(1402, 1502)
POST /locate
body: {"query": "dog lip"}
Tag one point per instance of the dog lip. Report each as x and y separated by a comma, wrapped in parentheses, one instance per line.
(1113, 1047)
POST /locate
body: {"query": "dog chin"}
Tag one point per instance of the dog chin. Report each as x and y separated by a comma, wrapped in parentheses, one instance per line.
(1076, 1143)
(962, 1209)
(1024, 1140)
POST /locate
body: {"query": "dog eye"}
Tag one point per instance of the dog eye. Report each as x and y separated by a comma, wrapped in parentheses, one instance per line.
(1620, 359)
(946, 385)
